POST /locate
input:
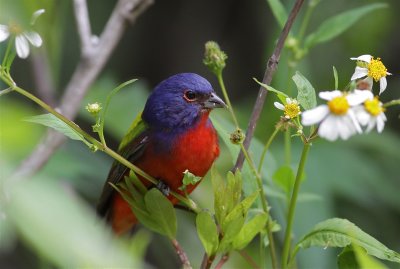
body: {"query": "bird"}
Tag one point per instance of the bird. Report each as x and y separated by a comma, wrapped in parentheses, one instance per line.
(172, 134)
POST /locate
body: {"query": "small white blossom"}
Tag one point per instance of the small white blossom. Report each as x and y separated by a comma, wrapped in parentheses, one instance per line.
(22, 38)
(336, 118)
(291, 109)
(372, 69)
(371, 114)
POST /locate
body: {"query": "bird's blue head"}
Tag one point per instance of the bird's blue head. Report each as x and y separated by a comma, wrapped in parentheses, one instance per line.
(178, 102)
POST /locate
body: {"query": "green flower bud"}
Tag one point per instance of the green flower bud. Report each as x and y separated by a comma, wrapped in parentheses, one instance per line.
(94, 108)
(237, 137)
(214, 57)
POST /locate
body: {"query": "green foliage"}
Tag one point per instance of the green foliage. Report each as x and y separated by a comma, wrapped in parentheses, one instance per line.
(281, 95)
(335, 76)
(279, 11)
(189, 179)
(52, 121)
(306, 92)
(354, 257)
(341, 233)
(62, 228)
(230, 216)
(337, 24)
(284, 177)
(208, 232)
(151, 207)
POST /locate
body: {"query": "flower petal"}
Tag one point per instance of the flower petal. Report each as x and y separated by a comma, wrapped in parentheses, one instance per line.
(4, 32)
(22, 46)
(328, 128)
(359, 72)
(279, 106)
(353, 121)
(36, 15)
(382, 85)
(329, 95)
(358, 97)
(34, 38)
(380, 123)
(365, 58)
(346, 127)
(371, 124)
(363, 117)
(315, 115)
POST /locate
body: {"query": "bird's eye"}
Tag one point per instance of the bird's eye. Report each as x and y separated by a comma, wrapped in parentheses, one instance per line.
(189, 96)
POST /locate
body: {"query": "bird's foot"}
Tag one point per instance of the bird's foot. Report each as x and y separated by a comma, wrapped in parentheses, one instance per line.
(163, 187)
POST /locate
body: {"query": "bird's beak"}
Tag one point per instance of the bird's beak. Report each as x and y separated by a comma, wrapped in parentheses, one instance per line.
(214, 101)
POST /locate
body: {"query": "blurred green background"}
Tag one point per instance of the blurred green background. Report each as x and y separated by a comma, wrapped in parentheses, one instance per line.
(356, 179)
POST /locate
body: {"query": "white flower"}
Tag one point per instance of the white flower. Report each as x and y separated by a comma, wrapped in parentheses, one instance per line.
(371, 114)
(371, 68)
(291, 109)
(336, 118)
(22, 38)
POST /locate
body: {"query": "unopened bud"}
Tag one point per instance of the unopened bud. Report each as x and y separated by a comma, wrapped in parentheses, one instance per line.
(94, 108)
(237, 137)
(214, 57)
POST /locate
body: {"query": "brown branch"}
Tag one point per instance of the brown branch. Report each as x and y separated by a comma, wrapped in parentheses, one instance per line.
(272, 65)
(249, 259)
(43, 80)
(181, 254)
(222, 261)
(207, 261)
(83, 26)
(85, 73)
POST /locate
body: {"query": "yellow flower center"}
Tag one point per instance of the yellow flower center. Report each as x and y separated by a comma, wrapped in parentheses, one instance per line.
(291, 110)
(374, 107)
(15, 28)
(376, 69)
(338, 105)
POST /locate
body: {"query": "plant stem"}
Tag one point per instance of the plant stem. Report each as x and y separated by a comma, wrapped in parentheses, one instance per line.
(391, 103)
(181, 254)
(226, 97)
(223, 260)
(306, 19)
(292, 206)
(207, 261)
(288, 147)
(266, 147)
(264, 203)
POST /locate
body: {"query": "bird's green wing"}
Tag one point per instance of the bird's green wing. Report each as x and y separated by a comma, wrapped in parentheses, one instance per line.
(131, 148)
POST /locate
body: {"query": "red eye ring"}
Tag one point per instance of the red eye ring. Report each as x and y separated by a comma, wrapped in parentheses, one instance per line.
(189, 96)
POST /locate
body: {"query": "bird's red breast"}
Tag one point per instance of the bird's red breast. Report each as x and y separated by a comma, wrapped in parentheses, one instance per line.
(194, 150)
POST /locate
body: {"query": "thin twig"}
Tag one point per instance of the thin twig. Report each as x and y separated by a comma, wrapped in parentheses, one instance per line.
(207, 261)
(86, 72)
(222, 261)
(272, 65)
(181, 254)
(249, 259)
(83, 25)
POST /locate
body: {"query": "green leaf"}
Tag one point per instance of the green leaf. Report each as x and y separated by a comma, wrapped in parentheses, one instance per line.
(207, 232)
(240, 210)
(219, 194)
(347, 259)
(52, 121)
(341, 233)
(249, 231)
(366, 261)
(230, 231)
(279, 11)
(335, 75)
(281, 95)
(162, 211)
(337, 24)
(284, 177)
(306, 92)
(189, 179)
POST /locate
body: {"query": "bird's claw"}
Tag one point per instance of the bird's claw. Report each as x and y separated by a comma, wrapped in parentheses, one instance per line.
(163, 187)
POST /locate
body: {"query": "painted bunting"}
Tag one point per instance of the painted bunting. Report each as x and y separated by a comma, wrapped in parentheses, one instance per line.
(173, 134)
